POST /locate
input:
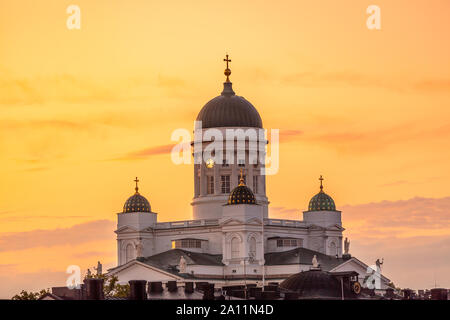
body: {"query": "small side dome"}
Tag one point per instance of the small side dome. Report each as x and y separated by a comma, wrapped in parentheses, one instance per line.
(321, 201)
(241, 194)
(137, 202)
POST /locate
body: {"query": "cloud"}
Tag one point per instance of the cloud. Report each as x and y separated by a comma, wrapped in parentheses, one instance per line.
(287, 135)
(356, 79)
(95, 254)
(68, 88)
(348, 78)
(284, 212)
(400, 219)
(149, 152)
(414, 217)
(434, 85)
(358, 141)
(80, 233)
(415, 262)
(18, 217)
(412, 235)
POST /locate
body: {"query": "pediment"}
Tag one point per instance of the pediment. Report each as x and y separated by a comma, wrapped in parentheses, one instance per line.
(315, 227)
(335, 227)
(234, 221)
(136, 269)
(231, 221)
(126, 229)
(354, 264)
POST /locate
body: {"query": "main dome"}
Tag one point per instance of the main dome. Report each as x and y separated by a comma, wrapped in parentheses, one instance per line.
(229, 110)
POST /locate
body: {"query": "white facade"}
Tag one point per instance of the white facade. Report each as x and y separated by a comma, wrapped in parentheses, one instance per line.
(237, 235)
(241, 235)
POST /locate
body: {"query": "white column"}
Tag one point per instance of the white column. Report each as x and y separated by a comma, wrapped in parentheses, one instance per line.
(217, 184)
(234, 176)
(196, 180)
(202, 180)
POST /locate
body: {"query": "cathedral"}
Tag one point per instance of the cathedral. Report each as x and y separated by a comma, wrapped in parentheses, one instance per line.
(231, 238)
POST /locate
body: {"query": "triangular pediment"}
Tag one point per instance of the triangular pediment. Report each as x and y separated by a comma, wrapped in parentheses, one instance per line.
(315, 227)
(136, 269)
(335, 227)
(254, 221)
(234, 221)
(354, 264)
(231, 221)
(126, 229)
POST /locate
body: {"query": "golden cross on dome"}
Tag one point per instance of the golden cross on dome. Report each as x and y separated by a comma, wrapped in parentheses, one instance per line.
(137, 188)
(321, 185)
(227, 60)
(241, 180)
(227, 70)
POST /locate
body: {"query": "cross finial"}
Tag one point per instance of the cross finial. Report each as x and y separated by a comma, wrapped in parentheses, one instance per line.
(241, 180)
(321, 185)
(227, 70)
(137, 188)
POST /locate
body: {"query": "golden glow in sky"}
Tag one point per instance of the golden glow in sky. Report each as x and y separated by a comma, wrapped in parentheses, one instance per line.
(83, 112)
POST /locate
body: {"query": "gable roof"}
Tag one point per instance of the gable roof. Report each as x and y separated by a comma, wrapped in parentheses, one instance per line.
(361, 264)
(302, 256)
(172, 257)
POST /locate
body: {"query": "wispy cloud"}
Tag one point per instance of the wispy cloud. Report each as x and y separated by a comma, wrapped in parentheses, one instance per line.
(287, 135)
(148, 152)
(284, 212)
(80, 233)
(368, 141)
(413, 236)
(356, 79)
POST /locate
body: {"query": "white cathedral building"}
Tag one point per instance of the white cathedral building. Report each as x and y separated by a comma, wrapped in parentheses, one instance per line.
(231, 238)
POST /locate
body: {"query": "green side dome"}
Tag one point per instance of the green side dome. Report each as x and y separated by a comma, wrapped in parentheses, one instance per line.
(321, 201)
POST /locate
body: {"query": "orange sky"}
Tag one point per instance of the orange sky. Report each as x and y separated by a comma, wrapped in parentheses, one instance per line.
(367, 109)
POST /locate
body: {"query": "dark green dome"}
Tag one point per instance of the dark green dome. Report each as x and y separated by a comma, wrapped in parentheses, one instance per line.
(321, 202)
(241, 194)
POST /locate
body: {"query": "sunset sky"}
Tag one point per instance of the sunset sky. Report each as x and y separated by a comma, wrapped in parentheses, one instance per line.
(83, 112)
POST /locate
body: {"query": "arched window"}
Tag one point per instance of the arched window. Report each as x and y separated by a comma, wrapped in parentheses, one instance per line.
(235, 251)
(252, 247)
(333, 249)
(129, 252)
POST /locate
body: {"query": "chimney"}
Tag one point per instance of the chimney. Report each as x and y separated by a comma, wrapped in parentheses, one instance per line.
(137, 290)
(155, 287)
(200, 285)
(189, 287)
(94, 289)
(208, 291)
(291, 296)
(172, 286)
